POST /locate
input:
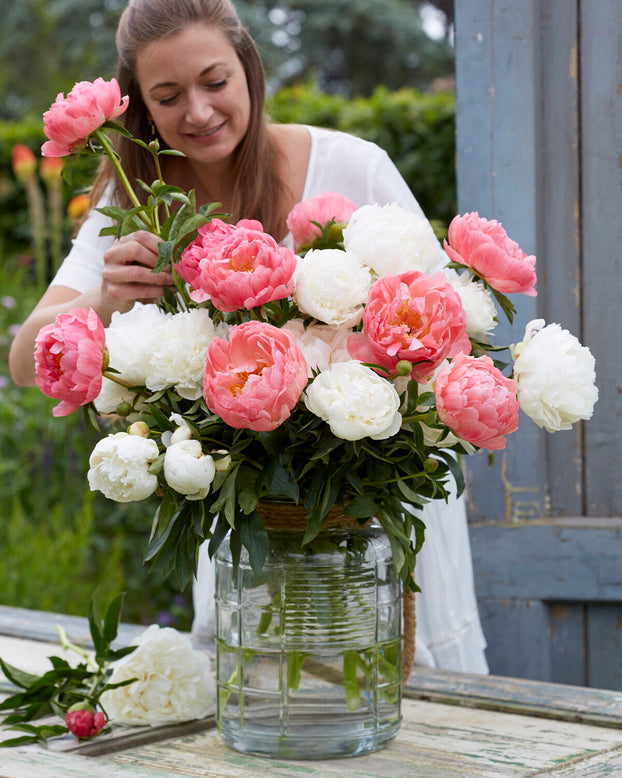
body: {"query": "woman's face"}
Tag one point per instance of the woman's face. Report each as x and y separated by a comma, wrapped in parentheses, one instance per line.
(196, 92)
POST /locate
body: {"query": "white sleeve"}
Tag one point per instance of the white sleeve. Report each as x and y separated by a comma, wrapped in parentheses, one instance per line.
(358, 169)
(82, 267)
(386, 185)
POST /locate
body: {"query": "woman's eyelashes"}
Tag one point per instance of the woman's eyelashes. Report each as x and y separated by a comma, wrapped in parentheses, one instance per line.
(213, 86)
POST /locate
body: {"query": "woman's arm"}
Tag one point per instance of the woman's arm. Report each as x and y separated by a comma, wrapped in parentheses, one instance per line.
(126, 277)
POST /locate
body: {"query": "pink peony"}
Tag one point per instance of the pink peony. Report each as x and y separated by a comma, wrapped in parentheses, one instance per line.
(411, 316)
(69, 359)
(321, 209)
(85, 722)
(208, 239)
(485, 247)
(254, 380)
(476, 401)
(70, 120)
(237, 266)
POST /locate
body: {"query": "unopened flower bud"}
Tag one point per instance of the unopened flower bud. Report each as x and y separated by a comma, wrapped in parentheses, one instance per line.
(403, 367)
(335, 231)
(139, 428)
(430, 465)
(83, 722)
(124, 409)
(222, 463)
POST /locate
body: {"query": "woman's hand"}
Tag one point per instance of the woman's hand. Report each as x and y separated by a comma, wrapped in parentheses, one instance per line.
(128, 272)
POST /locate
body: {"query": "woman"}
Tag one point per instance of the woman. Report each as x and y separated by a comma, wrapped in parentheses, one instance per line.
(195, 80)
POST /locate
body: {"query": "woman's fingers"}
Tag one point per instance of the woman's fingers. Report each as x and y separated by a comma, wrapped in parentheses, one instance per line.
(128, 269)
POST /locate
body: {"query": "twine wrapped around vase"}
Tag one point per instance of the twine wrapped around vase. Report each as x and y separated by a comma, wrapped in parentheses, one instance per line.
(279, 516)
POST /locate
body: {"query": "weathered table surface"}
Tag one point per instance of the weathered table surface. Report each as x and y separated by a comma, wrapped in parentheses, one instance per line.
(454, 724)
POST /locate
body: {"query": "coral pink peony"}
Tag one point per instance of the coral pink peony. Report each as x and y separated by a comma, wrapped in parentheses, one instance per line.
(485, 247)
(70, 120)
(254, 380)
(85, 722)
(321, 209)
(476, 401)
(208, 239)
(411, 316)
(69, 359)
(237, 266)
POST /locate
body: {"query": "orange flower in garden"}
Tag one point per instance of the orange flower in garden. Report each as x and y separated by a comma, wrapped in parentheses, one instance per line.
(78, 206)
(24, 162)
(51, 169)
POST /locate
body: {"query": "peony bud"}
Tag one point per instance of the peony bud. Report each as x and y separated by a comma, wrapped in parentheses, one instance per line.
(430, 465)
(123, 409)
(223, 463)
(139, 428)
(403, 367)
(83, 722)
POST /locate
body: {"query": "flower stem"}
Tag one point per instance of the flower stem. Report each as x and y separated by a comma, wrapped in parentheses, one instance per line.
(112, 155)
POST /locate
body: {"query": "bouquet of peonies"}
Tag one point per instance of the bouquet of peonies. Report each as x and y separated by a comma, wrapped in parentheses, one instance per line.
(351, 373)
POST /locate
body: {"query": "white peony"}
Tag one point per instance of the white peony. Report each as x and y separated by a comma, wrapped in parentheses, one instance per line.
(555, 375)
(119, 467)
(130, 338)
(320, 344)
(177, 357)
(183, 431)
(174, 681)
(331, 286)
(355, 402)
(188, 470)
(390, 239)
(477, 302)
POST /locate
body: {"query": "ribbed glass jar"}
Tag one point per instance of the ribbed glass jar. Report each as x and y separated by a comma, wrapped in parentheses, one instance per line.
(309, 649)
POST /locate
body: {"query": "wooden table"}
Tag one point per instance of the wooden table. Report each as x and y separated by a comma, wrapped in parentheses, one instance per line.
(455, 725)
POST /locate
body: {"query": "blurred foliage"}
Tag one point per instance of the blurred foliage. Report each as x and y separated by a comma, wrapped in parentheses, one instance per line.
(346, 46)
(58, 540)
(351, 46)
(15, 235)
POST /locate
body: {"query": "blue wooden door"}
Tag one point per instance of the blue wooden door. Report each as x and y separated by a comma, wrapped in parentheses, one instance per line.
(539, 147)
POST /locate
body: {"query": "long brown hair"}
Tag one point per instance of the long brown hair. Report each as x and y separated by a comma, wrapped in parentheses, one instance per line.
(258, 193)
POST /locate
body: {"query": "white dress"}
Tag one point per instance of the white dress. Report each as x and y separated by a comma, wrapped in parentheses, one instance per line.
(449, 634)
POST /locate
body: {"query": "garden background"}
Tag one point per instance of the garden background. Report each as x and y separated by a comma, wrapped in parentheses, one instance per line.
(380, 69)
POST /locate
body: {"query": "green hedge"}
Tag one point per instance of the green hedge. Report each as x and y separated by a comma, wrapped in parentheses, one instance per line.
(416, 130)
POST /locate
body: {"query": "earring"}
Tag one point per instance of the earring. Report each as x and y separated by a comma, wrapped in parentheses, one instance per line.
(152, 127)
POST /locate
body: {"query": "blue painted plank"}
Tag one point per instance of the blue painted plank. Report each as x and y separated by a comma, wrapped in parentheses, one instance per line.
(601, 148)
(517, 635)
(604, 631)
(557, 561)
(497, 121)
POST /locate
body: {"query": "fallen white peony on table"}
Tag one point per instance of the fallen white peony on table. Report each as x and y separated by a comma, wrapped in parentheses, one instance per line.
(174, 682)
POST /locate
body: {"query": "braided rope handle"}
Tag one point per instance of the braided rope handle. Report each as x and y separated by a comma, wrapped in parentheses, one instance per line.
(408, 642)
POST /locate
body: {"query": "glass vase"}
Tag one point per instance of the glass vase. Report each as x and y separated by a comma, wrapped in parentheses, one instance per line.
(309, 649)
